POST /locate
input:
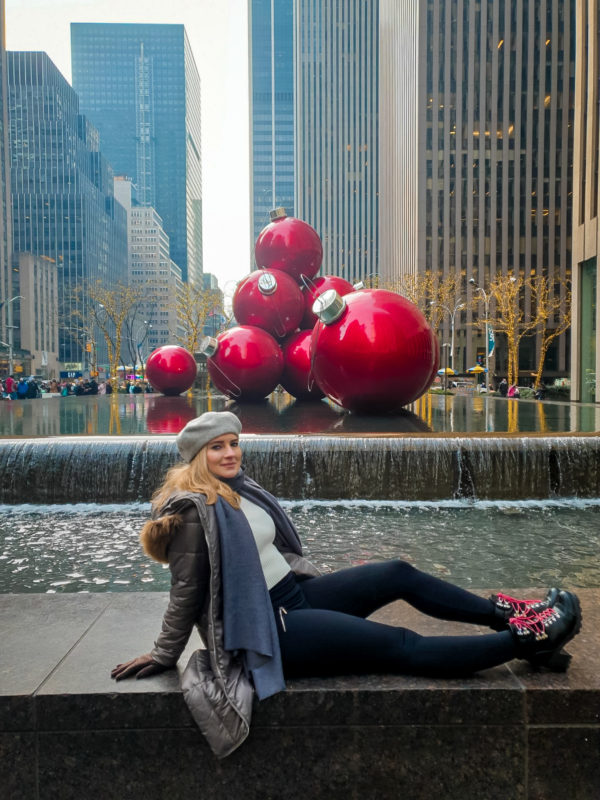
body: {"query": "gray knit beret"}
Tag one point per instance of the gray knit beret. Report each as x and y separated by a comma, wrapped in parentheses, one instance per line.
(200, 431)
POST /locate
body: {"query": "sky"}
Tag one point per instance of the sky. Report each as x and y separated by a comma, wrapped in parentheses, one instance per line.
(217, 30)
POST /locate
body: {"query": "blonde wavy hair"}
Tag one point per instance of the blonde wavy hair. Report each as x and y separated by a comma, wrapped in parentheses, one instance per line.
(194, 477)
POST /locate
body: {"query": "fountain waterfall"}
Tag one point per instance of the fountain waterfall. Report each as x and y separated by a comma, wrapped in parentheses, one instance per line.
(119, 469)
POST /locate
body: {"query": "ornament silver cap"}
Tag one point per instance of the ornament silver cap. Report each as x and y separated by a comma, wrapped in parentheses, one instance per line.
(208, 346)
(329, 306)
(277, 213)
(358, 286)
(267, 283)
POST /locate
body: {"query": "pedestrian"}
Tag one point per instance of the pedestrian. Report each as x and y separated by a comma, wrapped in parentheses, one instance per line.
(22, 388)
(33, 390)
(265, 614)
(503, 387)
(10, 386)
(109, 389)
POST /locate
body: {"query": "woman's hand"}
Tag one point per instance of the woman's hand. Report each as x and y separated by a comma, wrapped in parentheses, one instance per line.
(141, 667)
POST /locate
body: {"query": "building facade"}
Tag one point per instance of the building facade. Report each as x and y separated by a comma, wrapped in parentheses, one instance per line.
(401, 173)
(492, 153)
(8, 287)
(271, 67)
(337, 131)
(585, 335)
(140, 86)
(152, 271)
(38, 313)
(63, 205)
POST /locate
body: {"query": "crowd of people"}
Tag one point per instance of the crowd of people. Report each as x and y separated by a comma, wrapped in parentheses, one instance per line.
(12, 388)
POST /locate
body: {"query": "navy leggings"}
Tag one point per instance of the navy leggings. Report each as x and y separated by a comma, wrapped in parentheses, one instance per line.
(323, 631)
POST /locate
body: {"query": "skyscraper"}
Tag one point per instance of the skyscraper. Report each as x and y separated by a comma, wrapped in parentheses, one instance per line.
(63, 203)
(484, 92)
(271, 26)
(337, 112)
(6, 284)
(152, 271)
(140, 86)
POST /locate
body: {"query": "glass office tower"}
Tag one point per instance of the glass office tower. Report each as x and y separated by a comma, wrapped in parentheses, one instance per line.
(63, 202)
(6, 287)
(140, 86)
(337, 148)
(271, 24)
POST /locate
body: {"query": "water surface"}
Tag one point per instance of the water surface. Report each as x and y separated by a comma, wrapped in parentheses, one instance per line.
(95, 548)
(121, 414)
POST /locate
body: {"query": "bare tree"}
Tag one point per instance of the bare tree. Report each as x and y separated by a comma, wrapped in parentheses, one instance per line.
(193, 307)
(552, 301)
(431, 293)
(109, 309)
(136, 326)
(507, 315)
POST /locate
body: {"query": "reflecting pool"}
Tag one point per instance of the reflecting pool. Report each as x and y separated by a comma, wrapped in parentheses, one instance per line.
(121, 414)
(95, 548)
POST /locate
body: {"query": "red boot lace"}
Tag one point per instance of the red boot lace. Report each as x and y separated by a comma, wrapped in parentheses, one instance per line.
(534, 623)
(518, 606)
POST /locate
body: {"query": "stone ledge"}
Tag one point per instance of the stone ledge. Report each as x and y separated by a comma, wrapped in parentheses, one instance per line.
(67, 730)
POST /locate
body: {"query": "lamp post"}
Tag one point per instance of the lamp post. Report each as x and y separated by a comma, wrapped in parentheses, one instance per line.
(486, 301)
(84, 351)
(452, 312)
(445, 347)
(10, 328)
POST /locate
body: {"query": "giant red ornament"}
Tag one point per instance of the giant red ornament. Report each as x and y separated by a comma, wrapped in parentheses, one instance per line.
(271, 300)
(297, 378)
(373, 351)
(289, 244)
(244, 362)
(312, 289)
(171, 369)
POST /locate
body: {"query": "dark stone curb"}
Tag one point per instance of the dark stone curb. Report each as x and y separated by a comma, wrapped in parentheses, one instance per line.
(68, 731)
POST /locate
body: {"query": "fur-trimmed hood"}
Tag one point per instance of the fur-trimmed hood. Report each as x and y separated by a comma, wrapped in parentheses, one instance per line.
(157, 534)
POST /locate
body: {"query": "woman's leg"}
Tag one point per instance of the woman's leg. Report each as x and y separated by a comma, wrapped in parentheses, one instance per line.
(320, 642)
(362, 590)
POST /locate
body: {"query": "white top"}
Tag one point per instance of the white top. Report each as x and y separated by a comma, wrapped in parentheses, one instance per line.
(273, 564)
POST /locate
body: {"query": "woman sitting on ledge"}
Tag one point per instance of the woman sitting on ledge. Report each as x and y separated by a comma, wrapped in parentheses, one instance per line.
(265, 613)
